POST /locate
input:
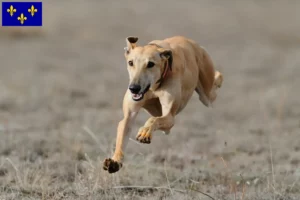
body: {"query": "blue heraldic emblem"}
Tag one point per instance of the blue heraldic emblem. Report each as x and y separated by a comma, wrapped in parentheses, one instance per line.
(22, 14)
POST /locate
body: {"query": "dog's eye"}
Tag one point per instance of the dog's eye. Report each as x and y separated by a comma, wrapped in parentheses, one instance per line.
(130, 63)
(150, 64)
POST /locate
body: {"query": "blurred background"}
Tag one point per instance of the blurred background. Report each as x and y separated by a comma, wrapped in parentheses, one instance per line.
(61, 90)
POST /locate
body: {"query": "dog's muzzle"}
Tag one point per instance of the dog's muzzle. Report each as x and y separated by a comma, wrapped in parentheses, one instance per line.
(136, 92)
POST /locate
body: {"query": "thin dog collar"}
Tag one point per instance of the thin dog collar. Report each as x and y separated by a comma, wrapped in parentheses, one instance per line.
(167, 68)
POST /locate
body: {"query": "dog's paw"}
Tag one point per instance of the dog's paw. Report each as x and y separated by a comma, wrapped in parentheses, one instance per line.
(111, 166)
(218, 79)
(144, 135)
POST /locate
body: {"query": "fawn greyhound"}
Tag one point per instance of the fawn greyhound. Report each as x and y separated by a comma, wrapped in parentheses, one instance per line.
(163, 76)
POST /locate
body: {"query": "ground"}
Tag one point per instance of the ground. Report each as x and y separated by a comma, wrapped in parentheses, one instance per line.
(62, 87)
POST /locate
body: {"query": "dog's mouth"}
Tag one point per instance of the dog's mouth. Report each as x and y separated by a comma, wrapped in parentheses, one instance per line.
(140, 96)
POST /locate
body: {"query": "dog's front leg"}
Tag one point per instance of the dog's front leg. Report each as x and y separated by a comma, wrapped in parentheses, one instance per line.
(130, 112)
(164, 122)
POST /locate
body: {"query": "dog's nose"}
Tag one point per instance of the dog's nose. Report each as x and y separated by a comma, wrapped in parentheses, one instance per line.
(134, 88)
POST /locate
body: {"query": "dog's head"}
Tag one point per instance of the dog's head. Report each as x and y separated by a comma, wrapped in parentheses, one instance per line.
(145, 64)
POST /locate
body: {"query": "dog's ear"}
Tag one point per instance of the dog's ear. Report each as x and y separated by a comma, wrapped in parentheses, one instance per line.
(131, 43)
(167, 54)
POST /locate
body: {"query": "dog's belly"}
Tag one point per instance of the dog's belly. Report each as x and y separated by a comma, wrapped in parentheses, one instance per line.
(185, 97)
(189, 83)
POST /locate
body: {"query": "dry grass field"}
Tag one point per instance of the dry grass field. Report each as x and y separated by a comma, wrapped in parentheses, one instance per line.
(61, 90)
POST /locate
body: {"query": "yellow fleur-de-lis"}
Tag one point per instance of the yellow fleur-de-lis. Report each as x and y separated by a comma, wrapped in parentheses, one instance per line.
(22, 18)
(11, 10)
(32, 10)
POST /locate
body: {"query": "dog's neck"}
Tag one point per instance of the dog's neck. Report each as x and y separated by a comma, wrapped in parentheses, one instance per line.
(167, 69)
(164, 74)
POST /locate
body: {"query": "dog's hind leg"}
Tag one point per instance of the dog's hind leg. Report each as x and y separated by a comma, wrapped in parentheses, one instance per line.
(213, 94)
(202, 96)
(209, 80)
(217, 84)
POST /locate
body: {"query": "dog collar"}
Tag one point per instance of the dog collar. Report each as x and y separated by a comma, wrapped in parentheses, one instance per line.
(167, 68)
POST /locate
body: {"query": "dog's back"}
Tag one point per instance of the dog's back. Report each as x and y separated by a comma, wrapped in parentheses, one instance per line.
(199, 63)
